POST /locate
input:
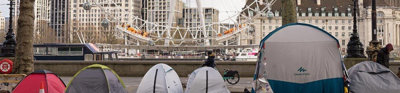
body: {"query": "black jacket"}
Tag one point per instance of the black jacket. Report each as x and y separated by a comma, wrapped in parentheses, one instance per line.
(383, 57)
(210, 62)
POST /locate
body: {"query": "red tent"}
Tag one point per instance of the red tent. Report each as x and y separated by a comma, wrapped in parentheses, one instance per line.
(48, 81)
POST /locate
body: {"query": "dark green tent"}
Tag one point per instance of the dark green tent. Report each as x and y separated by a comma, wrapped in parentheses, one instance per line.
(96, 78)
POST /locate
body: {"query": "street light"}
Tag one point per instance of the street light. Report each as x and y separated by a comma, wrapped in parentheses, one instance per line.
(374, 45)
(355, 47)
(8, 48)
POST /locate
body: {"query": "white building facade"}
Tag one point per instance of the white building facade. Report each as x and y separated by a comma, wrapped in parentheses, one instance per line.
(87, 23)
(336, 19)
(2, 24)
(192, 21)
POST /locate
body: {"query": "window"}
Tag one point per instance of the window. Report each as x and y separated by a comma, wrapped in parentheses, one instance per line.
(330, 27)
(40, 51)
(63, 51)
(336, 27)
(76, 51)
(349, 33)
(343, 34)
(52, 51)
(343, 27)
(343, 42)
(336, 21)
(316, 21)
(349, 28)
(336, 34)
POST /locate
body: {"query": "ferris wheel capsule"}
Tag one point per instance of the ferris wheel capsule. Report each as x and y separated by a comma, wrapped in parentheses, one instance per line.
(270, 14)
(105, 23)
(87, 6)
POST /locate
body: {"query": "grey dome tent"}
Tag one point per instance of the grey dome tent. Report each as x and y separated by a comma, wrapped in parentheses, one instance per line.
(299, 58)
(96, 78)
(160, 78)
(206, 80)
(371, 77)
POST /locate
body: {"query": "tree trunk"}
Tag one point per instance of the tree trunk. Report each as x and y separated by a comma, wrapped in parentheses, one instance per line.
(24, 49)
(289, 14)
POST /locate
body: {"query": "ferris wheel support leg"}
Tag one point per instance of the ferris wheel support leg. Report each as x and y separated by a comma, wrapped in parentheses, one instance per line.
(170, 20)
(205, 34)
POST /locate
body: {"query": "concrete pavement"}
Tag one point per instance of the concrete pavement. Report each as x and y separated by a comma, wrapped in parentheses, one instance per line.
(131, 83)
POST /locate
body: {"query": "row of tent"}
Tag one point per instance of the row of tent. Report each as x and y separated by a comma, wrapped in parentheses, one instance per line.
(295, 58)
(91, 79)
(97, 78)
(302, 58)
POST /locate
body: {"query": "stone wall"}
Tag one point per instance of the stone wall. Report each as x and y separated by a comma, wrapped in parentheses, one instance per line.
(139, 68)
(349, 62)
(183, 68)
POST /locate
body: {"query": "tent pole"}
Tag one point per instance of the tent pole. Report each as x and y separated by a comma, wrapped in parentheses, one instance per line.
(155, 79)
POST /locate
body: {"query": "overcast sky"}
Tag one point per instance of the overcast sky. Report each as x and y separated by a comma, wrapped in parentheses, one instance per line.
(4, 8)
(226, 8)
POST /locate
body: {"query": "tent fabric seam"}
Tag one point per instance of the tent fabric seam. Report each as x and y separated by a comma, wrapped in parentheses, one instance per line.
(308, 82)
(47, 83)
(108, 84)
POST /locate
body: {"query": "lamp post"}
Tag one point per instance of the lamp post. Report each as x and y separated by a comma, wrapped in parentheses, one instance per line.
(374, 45)
(355, 47)
(8, 48)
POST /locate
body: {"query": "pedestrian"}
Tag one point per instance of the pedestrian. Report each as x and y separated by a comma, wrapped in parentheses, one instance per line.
(210, 60)
(383, 55)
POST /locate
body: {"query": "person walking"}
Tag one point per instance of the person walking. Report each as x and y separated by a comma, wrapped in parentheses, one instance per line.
(210, 60)
(383, 55)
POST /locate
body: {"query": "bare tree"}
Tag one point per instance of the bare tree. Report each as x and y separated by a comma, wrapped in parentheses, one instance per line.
(2, 34)
(24, 49)
(45, 33)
